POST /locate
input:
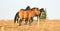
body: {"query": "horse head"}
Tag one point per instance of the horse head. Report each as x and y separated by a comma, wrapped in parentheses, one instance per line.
(42, 9)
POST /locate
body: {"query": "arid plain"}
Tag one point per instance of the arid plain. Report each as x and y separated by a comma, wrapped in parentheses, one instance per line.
(44, 25)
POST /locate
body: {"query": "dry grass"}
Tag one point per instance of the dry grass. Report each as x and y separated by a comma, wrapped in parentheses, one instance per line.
(44, 25)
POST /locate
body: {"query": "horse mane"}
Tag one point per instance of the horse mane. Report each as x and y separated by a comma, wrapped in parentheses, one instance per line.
(35, 8)
(22, 9)
(28, 8)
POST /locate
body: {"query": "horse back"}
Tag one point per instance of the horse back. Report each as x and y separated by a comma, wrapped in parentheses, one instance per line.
(26, 13)
(31, 14)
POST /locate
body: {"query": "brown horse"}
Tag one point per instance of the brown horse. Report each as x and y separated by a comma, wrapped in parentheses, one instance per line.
(16, 18)
(27, 14)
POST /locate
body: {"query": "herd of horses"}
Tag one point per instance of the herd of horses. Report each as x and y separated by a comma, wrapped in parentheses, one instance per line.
(27, 15)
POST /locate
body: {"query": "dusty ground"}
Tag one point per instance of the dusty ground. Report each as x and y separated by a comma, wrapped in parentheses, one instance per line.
(44, 25)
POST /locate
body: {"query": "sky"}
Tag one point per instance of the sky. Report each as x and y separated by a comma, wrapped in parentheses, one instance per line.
(8, 8)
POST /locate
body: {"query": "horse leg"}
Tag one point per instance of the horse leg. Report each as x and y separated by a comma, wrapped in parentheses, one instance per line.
(30, 21)
(17, 19)
(26, 20)
(20, 21)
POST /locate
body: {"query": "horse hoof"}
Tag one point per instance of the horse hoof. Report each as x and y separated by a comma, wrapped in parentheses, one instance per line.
(19, 24)
(25, 24)
(29, 24)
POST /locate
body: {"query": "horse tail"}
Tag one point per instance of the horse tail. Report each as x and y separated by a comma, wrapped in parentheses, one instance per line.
(16, 17)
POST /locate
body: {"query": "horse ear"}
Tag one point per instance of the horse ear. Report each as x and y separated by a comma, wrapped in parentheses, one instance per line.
(28, 7)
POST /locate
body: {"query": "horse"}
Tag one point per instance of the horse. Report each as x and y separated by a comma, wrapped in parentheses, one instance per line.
(34, 12)
(27, 14)
(17, 16)
(21, 14)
